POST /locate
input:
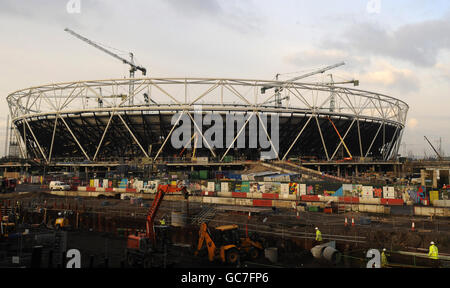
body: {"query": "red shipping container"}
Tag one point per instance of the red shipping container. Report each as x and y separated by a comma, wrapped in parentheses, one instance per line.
(392, 202)
(310, 198)
(270, 196)
(262, 203)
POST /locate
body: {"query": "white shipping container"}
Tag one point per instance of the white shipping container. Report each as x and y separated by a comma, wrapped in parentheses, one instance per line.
(284, 189)
(224, 187)
(302, 189)
(388, 192)
(367, 192)
(211, 186)
(138, 184)
(202, 159)
(96, 183)
(105, 183)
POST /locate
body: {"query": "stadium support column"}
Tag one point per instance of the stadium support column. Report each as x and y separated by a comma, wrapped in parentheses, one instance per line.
(356, 171)
(435, 183)
(339, 170)
(422, 177)
(86, 172)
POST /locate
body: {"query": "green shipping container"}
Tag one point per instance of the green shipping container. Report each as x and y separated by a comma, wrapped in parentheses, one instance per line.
(228, 159)
(218, 187)
(194, 175)
(203, 174)
(245, 187)
(313, 208)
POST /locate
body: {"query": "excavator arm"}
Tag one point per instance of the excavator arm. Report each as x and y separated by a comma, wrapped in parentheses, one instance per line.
(151, 215)
(204, 237)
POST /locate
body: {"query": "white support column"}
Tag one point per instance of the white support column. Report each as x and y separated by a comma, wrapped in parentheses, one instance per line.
(19, 142)
(75, 138)
(321, 137)
(103, 136)
(268, 137)
(132, 135)
(359, 136)
(237, 136)
(373, 141)
(201, 133)
(35, 139)
(168, 136)
(53, 141)
(298, 136)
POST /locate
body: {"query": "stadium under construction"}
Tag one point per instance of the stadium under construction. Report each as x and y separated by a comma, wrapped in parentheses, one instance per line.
(99, 122)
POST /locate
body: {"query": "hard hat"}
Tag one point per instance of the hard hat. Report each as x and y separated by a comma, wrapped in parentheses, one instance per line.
(384, 249)
(317, 228)
(432, 243)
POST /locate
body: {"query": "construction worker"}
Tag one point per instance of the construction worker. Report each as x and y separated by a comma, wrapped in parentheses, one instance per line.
(384, 260)
(434, 254)
(162, 222)
(433, 251)
(318, 235)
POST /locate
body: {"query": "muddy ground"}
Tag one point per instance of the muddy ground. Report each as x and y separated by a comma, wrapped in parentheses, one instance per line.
(102, 226)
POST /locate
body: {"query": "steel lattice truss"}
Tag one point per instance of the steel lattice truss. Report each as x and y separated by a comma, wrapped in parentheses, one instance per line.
(93, 120)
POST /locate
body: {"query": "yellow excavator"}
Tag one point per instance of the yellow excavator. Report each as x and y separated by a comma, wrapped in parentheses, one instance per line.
(227, 245)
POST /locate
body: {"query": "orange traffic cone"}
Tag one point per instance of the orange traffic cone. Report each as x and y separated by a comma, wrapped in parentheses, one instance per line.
(346, 222)
(413, 226)
(249, 215)
(353, 222)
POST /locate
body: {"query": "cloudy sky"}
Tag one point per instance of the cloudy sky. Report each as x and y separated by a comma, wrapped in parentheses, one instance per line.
(397, 47)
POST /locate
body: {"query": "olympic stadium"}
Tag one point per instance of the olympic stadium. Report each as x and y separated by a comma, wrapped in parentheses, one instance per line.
(106, 120)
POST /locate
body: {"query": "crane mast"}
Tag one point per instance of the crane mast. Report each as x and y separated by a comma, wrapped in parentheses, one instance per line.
(133, 66)
(279, 89)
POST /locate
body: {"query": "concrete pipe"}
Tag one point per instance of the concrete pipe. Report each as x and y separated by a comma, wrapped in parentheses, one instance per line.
(178, 219)
(271, 254)
(332, 255)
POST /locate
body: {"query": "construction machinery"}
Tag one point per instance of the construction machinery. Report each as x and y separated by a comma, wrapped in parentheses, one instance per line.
(350, 158)
(62, 222)
(142, 246)
(224, 243)
(278, 89)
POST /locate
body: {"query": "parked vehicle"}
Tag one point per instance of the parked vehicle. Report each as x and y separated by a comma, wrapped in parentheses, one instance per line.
(58, 185)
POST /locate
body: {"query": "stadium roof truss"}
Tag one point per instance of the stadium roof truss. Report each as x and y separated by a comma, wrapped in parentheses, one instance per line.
(94, 108)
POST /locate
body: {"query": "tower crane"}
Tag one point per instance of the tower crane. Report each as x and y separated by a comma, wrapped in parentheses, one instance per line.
(333, 96)
(133, 66)
(279, 89)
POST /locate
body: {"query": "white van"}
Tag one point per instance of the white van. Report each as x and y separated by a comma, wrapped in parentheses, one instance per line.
(58, 185)
(150, 188)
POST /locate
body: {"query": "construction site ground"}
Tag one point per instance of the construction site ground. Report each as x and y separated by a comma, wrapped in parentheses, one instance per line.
(99, 229)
